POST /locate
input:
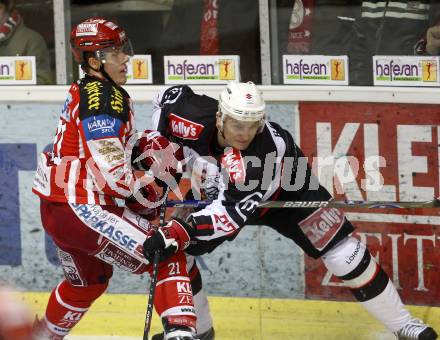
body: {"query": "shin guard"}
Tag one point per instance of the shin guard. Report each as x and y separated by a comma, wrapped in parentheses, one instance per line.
(351, 261)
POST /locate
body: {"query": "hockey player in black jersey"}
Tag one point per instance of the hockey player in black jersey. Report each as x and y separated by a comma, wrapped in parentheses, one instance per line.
(240, 157)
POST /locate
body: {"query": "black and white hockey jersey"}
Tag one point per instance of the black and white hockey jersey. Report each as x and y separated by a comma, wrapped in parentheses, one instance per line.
(223, 175)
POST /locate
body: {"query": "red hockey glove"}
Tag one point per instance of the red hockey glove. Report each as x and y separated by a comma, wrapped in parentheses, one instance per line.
(155, 152)
(144, 205)
(173, 237)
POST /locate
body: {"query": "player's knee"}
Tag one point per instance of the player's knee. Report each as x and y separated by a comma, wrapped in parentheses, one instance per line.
(351, 261)
(85, 293)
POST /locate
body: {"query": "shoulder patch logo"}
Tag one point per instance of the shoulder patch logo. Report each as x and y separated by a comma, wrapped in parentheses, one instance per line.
(322, 226)
(65, 112)
(233, 163)
(183, 128)
(102, 126)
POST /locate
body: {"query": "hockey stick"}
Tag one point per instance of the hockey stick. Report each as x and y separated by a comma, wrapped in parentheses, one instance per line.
(313, 204)
(149, 313)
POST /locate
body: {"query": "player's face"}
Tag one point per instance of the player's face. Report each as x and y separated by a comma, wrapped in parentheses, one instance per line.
(239, 134)
(116, 65)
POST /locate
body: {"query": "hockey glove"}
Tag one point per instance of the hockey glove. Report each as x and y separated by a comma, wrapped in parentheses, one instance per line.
(167, 240)
(142, 203)
(156, 153)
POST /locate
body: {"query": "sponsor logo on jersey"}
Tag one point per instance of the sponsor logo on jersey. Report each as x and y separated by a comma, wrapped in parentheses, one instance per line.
(71, 272)
(171, 95)
(112, 154)
(73, 316)
(233, 163)
(117, 100)
(94, 92)
(183, 128)
(102, 223)
(115, 256)
(321, 226)
(65, 112)
(184, 288)
(70, 319)
(102, 126)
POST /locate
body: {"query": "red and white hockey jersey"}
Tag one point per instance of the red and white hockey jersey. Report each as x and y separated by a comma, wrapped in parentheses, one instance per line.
(86, 164)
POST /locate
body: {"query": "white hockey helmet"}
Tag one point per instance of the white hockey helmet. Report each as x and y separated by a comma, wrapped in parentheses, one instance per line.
(243, 102)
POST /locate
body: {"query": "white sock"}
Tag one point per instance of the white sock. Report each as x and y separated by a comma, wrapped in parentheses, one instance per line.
(388, 308)
(204, 319)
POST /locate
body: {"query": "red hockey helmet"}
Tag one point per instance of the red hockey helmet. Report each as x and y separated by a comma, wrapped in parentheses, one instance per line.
(98, 35)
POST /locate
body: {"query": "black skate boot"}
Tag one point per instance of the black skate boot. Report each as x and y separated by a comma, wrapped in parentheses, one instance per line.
(415, 329)
(179, 333)
(208, 335)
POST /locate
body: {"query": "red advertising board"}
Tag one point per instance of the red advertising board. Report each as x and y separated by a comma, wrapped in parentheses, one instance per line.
(406, 136)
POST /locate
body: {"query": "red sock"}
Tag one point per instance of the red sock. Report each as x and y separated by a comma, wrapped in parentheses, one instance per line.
(68, 304)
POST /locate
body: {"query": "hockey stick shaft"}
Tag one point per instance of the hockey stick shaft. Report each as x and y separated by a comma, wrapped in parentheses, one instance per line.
(150, 305)
(314, 204)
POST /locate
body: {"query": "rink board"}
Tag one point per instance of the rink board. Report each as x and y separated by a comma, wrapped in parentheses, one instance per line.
(407, 138)
(259, 263)
(118, 316)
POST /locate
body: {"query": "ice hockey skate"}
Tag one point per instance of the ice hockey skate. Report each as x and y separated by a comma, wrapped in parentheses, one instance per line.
(415, 329)
(178, 333)
(40, 331)
(208, 335)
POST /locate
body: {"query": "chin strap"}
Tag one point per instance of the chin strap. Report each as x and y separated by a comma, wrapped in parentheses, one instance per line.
(103, 72)
(106, 75)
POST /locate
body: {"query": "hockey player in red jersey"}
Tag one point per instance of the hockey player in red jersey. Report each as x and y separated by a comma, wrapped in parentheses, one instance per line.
(82, 185)
(241, 158)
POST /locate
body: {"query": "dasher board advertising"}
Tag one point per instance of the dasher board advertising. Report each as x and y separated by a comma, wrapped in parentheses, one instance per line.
(315, 70)
(203, 69)
(406, 70)
(379, 152)
(18, 71)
